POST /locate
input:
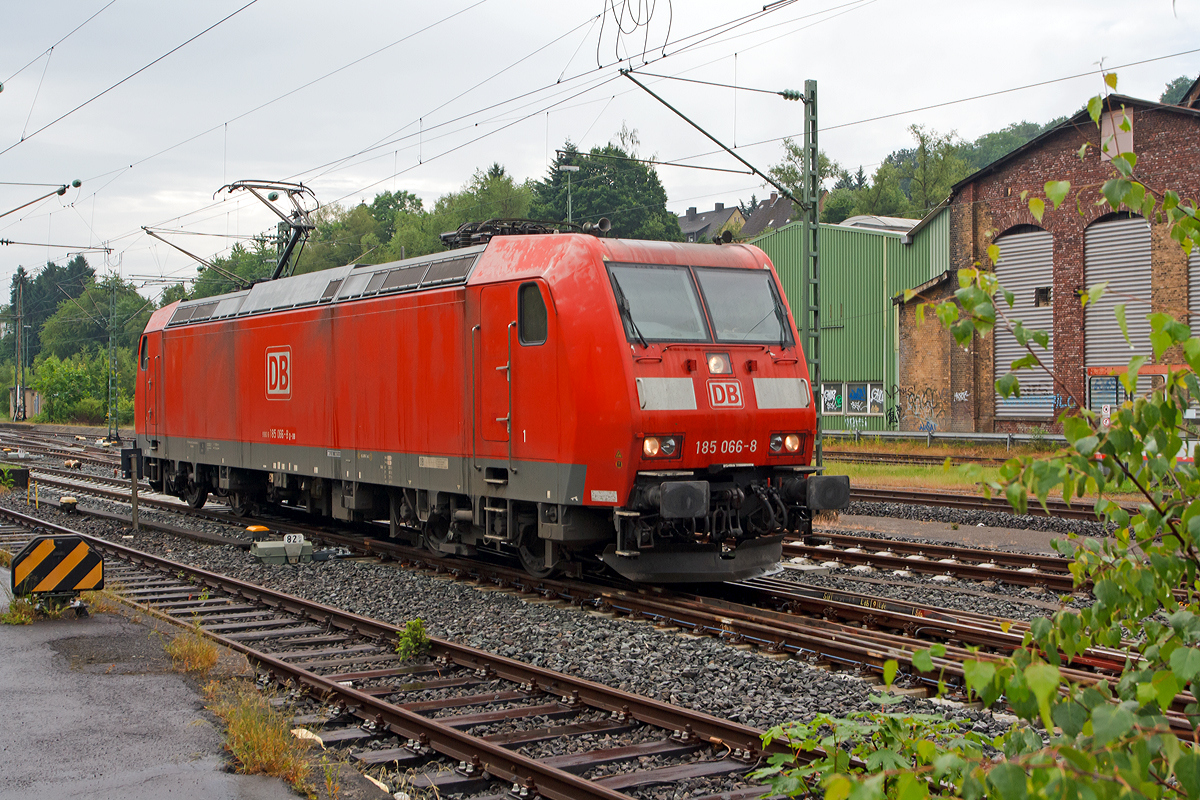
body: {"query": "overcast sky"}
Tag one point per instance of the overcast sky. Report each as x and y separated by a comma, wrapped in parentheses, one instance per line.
(357, 97)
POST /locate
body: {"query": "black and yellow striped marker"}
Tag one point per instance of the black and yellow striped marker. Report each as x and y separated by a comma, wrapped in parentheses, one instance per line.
(57, 565)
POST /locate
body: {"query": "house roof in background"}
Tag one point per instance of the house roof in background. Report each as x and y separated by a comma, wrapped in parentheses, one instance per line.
(770, 214)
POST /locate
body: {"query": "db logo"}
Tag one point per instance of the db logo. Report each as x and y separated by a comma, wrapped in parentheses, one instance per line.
(279, 373)
(725, 394)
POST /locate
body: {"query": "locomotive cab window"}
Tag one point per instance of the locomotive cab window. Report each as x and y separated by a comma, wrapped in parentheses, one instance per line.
(744, 305)
(658, 303)
(531, 314)
(144, 358)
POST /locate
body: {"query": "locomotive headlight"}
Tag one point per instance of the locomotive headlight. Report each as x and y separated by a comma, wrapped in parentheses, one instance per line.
(718, 364)
(650, 446)
(776, 442)
(791, 442)
(667, 446)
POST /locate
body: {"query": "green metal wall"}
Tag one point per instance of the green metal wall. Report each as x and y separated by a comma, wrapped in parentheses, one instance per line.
(861, 270)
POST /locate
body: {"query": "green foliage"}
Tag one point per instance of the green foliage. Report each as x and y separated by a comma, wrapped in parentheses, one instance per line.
(6, 477)
(934, 168)
(1175, 90)
(83, 322)
(75, 389)
(412, 641)
(42, 295)
(250, 263)
(176, 291)
(1130, 737)
(871, 754)
(839, 205)
(628, 193)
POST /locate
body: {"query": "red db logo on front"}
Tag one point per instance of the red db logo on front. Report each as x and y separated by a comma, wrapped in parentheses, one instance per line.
(725, 394)
(279, 373)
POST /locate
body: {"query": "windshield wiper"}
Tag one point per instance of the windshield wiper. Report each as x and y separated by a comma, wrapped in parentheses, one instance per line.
(626, 314)
(782, 316)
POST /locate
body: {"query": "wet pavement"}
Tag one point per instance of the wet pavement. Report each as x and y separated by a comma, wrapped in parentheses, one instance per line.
(94, 711)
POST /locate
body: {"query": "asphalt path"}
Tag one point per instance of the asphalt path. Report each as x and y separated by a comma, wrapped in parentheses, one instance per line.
(94, 711)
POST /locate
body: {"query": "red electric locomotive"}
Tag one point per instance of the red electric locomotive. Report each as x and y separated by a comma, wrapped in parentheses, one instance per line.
(563, 397)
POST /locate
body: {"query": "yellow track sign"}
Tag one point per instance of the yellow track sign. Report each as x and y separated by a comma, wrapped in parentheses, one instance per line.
(57, 565)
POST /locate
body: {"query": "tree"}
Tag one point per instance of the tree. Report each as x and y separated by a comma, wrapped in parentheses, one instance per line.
(249, 263)
(42, 295)
(176, 291)
(935, 166)
(81, 323)
(839, 205)
(750, 207)
(387, 205)
(1091, 739)
(1175, 90)
(490, 194)
(789, 170)
(883, 197)
(609, 184)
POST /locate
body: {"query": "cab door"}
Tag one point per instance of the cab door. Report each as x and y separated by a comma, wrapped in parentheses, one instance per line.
(497, 319)
(150, 367)
(536, 395)
(517, 373)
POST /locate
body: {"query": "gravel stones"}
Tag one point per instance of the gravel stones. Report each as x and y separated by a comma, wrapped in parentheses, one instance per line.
(993, 519)
(699, 673)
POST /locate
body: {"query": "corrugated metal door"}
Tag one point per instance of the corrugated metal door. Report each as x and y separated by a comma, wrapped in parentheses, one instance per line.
(1194, 291)
(1026, 268)
(1117, 251)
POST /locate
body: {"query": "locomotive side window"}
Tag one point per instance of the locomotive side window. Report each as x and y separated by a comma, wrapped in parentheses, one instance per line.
(531, 314)
(145, 355)
(744, 306)
(658, 303)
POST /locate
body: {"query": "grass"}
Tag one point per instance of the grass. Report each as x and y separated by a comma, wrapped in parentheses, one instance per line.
(965, 478)
(107, 600)
(20, 612)
(192, 652)
(412, 641)
(257, 736)
(5, 559)
(942, 449)
(911, 476)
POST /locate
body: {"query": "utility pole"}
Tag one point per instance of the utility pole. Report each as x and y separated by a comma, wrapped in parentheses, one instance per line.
(569, 169)
(810, 272)
(114, 434)
(809, 323)
(19, 365)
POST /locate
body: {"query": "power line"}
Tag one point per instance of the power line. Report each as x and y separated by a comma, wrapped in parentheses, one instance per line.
(128, 77)
(60, 41)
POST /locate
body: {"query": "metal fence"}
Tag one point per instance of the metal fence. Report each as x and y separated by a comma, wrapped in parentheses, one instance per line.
(930, 437)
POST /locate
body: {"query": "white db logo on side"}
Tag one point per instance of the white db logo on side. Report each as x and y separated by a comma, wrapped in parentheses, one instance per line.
(725, 394)
(279, 373)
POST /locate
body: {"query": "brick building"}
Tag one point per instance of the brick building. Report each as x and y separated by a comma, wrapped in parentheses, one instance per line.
(1047, 263)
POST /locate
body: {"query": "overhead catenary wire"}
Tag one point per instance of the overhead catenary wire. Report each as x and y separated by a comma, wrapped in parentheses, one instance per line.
(129, 77)
(396, 172)
(60, 41)
(726, 25)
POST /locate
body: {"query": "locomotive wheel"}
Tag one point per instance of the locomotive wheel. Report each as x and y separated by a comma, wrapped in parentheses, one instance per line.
(194, 494)
(532, 552)
(241, 504)
(434, 532)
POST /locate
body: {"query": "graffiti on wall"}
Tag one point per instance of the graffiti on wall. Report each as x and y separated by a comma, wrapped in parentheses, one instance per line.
(920, 409)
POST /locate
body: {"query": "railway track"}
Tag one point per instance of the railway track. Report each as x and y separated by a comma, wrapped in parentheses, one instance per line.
(839, 630)
(971, 502)
(783, 634)
(347, 665)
